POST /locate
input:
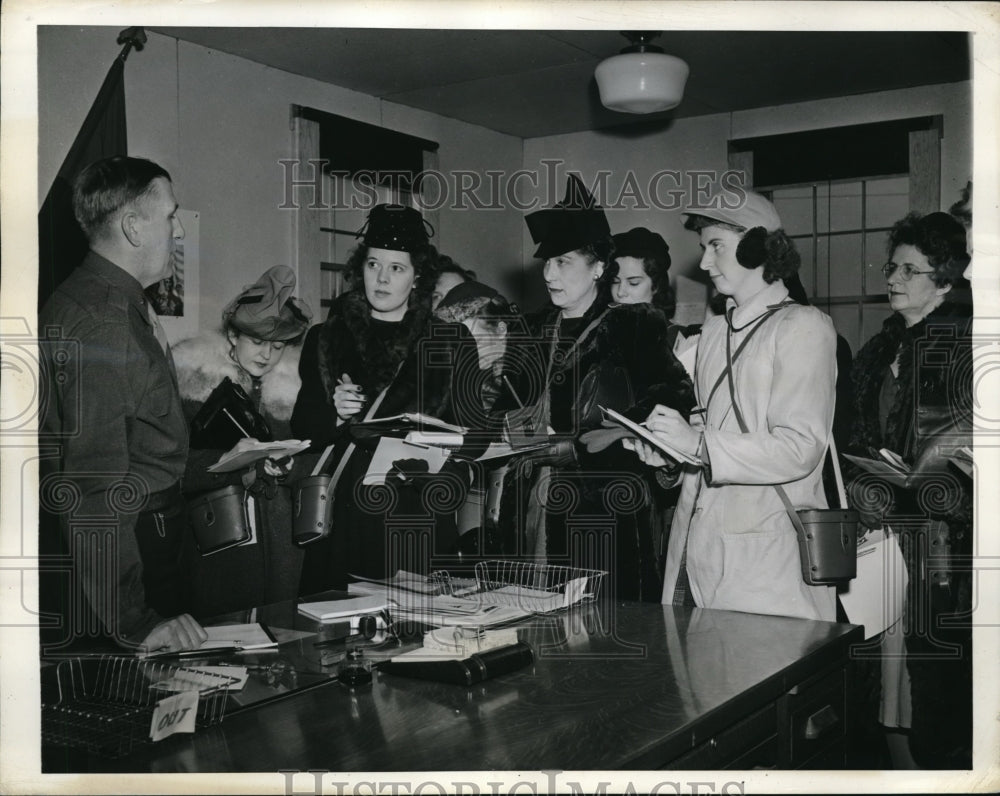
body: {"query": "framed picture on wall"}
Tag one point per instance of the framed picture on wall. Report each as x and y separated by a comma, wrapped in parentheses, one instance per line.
(175, 298)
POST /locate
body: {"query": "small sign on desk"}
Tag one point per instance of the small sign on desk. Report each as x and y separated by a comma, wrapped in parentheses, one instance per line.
(174, 714)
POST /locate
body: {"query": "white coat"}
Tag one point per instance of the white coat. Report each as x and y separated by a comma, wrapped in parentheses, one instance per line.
(742, 551)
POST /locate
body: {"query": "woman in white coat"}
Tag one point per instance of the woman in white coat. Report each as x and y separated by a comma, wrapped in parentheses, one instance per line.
(732, 545)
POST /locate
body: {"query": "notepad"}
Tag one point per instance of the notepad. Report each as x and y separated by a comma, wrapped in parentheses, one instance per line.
(648, 436)
(258, 450)
(412, 418)
(391, 450)
(328, 610)
(245, 637)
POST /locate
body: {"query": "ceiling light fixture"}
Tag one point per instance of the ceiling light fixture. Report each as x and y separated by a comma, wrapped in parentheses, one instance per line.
(641, 79)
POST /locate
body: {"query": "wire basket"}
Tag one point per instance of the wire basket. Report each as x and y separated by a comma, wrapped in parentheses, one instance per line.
(538, 588)
(105, 705)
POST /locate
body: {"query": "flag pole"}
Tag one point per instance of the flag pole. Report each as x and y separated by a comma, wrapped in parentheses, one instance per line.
(131, 37)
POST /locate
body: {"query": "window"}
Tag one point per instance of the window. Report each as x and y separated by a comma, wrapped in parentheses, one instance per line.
(838, 192)
(364, 165)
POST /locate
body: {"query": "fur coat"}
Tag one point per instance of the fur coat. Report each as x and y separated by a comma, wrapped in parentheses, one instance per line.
(624, 363)
(202, 362)
(417, 361)
(266, 570)
(932, 407)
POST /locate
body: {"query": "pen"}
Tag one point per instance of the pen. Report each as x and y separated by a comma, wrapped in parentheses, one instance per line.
(513, 392)
(198, 653)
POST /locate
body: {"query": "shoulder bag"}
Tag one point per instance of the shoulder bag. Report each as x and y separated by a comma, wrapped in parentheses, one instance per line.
(828, 538)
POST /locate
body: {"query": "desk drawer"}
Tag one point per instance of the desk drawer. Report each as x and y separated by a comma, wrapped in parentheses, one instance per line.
(813, 719)
(751, 738)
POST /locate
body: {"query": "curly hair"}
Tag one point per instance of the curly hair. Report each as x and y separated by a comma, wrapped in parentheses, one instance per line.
(601, 250)
(425, 266)
(446, 265)
(664, 296)
(939, 237)
(773, 250)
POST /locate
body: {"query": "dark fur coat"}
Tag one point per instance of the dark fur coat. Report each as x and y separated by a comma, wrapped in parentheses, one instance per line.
(416, 359)
(410, 355)
(626, 364)
(932, 407)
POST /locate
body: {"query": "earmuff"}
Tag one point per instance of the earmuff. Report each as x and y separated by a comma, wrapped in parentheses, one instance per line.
(751, 251)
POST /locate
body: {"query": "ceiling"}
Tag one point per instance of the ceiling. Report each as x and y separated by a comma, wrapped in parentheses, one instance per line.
(531, 83)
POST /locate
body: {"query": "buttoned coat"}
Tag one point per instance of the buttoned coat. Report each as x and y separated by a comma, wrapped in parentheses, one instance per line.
(741, 547)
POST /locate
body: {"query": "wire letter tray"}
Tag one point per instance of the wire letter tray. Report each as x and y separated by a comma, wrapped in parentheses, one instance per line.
(538, 588)
(105, 705)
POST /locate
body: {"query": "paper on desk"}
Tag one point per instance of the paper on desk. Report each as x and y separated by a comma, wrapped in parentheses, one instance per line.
(327, 610)
(391, 450)
(875, 597)
(248, 637)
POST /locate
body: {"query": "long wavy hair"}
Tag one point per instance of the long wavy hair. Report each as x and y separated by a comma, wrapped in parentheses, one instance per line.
(425, 266)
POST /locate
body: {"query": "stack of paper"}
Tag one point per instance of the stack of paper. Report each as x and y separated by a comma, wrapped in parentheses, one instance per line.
(245, 637)
(338, 608)
(391, 450)
(254, 451)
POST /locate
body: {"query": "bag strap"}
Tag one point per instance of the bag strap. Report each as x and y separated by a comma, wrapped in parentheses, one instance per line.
(789, 508)
(576, 343)
(730, 359)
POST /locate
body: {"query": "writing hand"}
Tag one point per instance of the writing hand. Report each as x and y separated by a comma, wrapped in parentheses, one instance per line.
(675, 430)
(348, 399)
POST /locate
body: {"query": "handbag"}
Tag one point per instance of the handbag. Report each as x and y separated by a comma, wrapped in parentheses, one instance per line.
(312, 497)
(227, 416)
(828, 538)
(220, 519)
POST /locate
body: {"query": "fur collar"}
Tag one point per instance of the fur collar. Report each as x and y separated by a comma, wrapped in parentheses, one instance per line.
(348, 328)
(203, 361)
(874, 360)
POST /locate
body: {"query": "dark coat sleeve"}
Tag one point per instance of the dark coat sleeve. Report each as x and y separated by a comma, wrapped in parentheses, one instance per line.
(313, 417)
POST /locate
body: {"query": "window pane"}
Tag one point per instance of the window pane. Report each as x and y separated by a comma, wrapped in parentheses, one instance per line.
(845, 206)
(875, 256)
(874, 315)
(845, 321)
(794, 205)
(846, 266)
(806, 271)
(822, 265)
(823, 207)
(887, 201)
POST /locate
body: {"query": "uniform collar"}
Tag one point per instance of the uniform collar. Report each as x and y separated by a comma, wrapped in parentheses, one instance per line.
(119, 279)
(771, 295)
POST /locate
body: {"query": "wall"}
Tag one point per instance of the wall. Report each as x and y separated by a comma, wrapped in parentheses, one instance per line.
(220, 125)
(701, 143)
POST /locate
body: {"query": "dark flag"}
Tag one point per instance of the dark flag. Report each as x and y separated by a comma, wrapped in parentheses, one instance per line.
(61, 243)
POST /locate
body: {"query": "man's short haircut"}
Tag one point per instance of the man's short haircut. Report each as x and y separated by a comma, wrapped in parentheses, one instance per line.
(107, 186)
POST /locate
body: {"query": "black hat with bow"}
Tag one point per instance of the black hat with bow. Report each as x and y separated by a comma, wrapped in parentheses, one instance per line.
(395, 227)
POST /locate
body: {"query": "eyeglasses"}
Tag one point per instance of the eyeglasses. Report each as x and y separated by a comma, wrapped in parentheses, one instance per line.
(906, 271)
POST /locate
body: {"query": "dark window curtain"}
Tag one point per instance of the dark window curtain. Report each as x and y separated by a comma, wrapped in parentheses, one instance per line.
(61, 243)
(350, 147)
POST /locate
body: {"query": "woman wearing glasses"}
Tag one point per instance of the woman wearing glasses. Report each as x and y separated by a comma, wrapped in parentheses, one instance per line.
(912, 382)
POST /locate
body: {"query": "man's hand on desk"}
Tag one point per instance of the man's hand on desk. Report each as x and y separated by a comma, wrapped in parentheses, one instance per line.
(174, 635)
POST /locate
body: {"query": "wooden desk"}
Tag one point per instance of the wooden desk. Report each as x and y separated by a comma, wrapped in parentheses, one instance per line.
(613, 686)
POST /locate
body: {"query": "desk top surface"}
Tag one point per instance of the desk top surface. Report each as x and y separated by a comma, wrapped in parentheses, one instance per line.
(613, 686)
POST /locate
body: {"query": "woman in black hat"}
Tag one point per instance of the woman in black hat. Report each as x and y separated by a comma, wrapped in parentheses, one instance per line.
(588, 355)
(376, 356)
(257, 351)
